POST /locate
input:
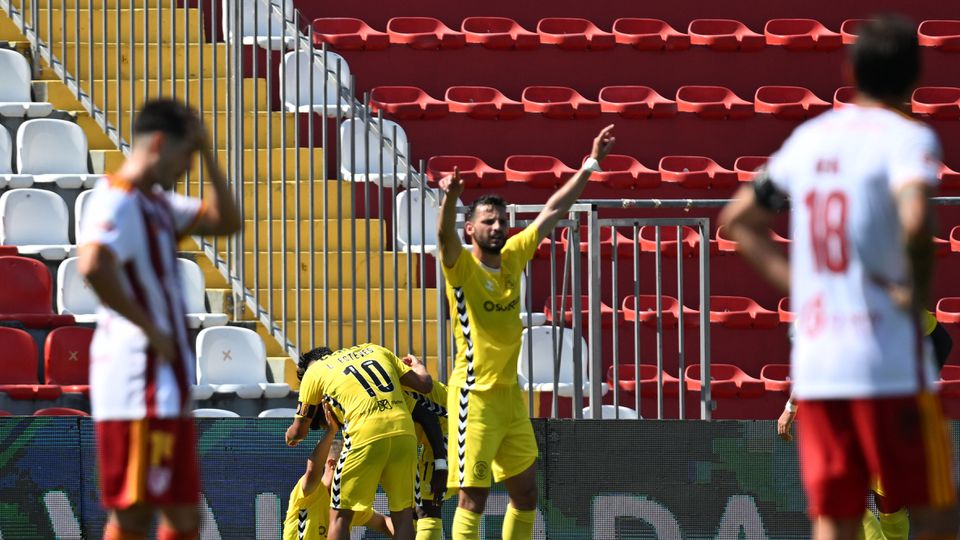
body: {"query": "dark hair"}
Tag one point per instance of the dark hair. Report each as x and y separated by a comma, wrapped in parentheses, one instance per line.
(495, 201)
(886, 57)
(309, 357)
(167, 116)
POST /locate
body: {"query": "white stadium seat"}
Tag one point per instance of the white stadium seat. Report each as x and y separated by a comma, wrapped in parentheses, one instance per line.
(194, 287)
(542, 338)
(214, 413)
(7, 177)
(609, 412)
(234, 360)
(15, 99)
(302, 102)
(54, 151)
(37, 222)
(358, 170)
(266, 29)
(537, 318)
(74, 295)
(278, 413)
(78, 208)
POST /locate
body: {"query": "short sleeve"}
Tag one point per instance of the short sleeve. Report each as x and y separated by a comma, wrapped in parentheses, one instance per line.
(311, 394)
(783, 163)
(395, 362)
(186, 211)
(521, 246)
(111, 219)
(914, 158)
(461, 270)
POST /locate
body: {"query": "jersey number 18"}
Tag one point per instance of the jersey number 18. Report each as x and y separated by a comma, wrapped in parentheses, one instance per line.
(828, 224)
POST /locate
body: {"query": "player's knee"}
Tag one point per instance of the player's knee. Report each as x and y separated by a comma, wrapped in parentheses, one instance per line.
(473, 499)
(134, 520)
(181, 518)
(525, 497)
(429, 509)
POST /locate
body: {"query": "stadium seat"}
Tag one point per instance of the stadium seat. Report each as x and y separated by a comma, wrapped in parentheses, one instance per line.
(6, 413)
(283, 412)
(565, 306)
(849, 30)
(668, 241)
(729, 245)
(304, 102)
(26, 294)
(624, 172)
(18, 376)
(394, 138)
(741, 312)
(788, 102)
(696, 172)
(37, 222)
(214, 413)
(541, 340)
(499, 33)
(482, 103)
(746, 167)
(79, 207)
(726, 381)
(406, 103)
(937, 102)
(645, 311)
(948, 310)
(348, 34)
(67, 167)
(424, 33)
(607, 234)
(776, 377)
(529, 319)
(636, 102)
(942, 34)
(474, 172)
(801, 35)
(266, 28)
(75, 297)
(419, 233)
(724, 35)
(713, 102)
(232, 360)
(628, 380)
(844, 96)
(574, 34)
(193, 285)
(15, 92)
(949, 178)
(612, 412)
(558, 102)
(537, 171)
(955, 239)
(950, 381)
(783, 309)
(649, 35)
(8, 179)
(66, 358)
(59, 411)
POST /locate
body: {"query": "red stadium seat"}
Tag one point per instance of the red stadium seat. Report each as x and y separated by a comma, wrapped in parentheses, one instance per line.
(482, 103)
(474, 172)
(776, 377)
(607, 313)
(625, 172)
(941, 102)
(574, 34)
(949, 178)
(624, 244)
(425, 33)
(644, 310)
(741, 312)
(8, 251)
(558, 102)
(628, 379)
(348, 34)
(26, 294)
(695, 172)
(59, 411)
(942, 34)
(668, 241)
(801, 35)
(789, 102)
(726, 244)
(726, 381)
(746, 166)
(537, 171)
(844, 96)
(724, 35)
(67, 358)
(636, 102)
(498, 33)
(713, 102)
(18, 375)
(6, 413)
(941, 246)
(783, 309)
(849, 30)
(649, 35)
(948, 310)
(406, 103)
(950, 381)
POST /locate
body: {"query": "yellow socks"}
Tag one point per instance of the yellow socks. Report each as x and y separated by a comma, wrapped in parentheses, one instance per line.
(430, 529)
(518, 524)
(466, 525)
(895, 526)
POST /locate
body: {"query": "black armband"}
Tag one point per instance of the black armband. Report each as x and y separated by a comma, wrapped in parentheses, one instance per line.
(768, 196)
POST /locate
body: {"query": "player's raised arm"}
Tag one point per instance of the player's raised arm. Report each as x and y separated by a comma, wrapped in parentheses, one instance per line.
(447, 236)
(561, 201)
(418, 378)
(221, 215)
(314, 477)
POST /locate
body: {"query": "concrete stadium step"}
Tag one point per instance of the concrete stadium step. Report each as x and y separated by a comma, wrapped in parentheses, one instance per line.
(142, 18)
(346, 275)
(280, 123)
(211, 87)
(264, 165)
(405, 343)
(212, 277)
(333, 239)
(8, 30)
(96, 137)
(56, 4)
(138, 70)
(276, 206)
(346, 314)
(106, 161)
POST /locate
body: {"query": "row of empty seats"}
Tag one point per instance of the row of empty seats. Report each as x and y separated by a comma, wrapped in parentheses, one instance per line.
(67, 167)
(568, 33)
(16, 99)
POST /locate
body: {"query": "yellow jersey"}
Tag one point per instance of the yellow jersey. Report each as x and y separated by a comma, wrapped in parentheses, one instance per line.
(362, 384)
(485, 309)
(308, 516)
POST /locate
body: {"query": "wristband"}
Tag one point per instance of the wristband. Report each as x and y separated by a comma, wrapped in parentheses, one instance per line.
(790, 407)
(440, 464)
(592, 164)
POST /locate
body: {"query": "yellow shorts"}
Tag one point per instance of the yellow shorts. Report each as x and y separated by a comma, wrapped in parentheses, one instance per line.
(390, 462)
(424, 479)
(490, 431)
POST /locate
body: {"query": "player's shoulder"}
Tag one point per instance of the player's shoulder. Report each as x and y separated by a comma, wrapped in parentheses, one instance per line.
(112, 191)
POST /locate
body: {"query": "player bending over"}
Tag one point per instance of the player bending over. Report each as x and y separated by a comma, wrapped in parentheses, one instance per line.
(363, 386)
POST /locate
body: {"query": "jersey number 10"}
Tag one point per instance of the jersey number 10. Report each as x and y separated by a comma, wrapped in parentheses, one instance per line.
(828, 230)
(376, 373)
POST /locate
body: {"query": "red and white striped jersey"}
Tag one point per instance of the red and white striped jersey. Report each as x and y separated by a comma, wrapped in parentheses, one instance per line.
(127, 380)
(842, 171)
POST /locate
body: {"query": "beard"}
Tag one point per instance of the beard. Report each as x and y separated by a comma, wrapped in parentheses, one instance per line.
(492, 246)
